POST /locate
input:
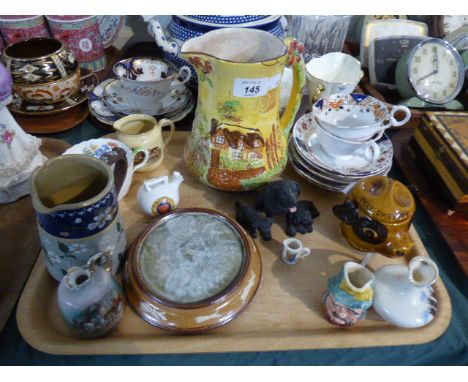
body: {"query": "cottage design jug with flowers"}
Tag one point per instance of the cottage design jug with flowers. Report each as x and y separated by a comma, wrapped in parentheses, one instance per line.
(238, 140)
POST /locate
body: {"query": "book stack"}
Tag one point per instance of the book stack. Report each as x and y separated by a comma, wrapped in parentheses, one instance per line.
(439, 145)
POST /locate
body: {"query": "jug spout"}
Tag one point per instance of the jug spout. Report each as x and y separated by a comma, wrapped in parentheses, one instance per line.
(422, 271)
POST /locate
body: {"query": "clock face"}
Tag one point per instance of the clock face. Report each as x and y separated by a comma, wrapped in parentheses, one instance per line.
(453, 22)
(435, 71)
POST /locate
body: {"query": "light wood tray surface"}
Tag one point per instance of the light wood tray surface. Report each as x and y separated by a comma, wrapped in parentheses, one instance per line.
(284, 314)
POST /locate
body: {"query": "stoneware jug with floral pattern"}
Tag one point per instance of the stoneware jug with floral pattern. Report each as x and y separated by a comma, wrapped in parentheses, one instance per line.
(239, 140)
(77, 211)
(90, 299)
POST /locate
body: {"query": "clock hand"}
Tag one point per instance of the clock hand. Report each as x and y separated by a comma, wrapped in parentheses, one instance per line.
(427, 75)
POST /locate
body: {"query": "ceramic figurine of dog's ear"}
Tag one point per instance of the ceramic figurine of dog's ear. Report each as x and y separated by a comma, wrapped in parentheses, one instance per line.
(302, 219)
(278, 197)
(253, 221)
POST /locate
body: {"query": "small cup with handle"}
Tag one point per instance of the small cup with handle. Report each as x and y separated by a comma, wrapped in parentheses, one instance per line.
(336, 147)
(293, 251)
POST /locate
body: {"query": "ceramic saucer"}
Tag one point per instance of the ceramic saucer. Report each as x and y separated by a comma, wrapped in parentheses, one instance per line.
(307, 145)
(321, 178)
(114, 95)
(104, 114)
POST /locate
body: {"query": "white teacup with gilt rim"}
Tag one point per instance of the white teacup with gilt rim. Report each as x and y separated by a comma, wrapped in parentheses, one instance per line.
(332, 73)
(338, 147)
(356, 117)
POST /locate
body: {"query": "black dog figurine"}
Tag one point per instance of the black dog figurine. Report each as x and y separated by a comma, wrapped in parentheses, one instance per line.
(253, 220)
(302, 219)
(278, 197)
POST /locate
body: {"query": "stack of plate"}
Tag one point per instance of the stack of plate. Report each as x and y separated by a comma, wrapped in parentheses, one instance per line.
(309, 160)
(107, 106)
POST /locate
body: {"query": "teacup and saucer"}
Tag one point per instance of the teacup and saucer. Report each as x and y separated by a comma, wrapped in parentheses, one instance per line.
(147, 85)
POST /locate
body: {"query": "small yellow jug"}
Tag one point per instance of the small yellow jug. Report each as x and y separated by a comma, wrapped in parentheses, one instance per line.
(238, 140)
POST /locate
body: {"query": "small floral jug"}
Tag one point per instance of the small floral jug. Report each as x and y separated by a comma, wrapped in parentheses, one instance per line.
(349, 295)
(90, 298)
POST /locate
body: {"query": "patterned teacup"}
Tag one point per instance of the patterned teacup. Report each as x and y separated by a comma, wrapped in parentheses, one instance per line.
(356, 117)
(146, 81)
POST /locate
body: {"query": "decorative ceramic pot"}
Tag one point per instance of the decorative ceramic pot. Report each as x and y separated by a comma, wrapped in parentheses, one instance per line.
(78, 216)
(238, 140)
(377, 215)
(183, 28)
(82, 36)
(403, 294)
(349, 295)
(39, 60)
(17, 28)
(111, 151)
(158, 196)
(43, 70)
(50, 92)
(2, 45)
(192, 270)
(90, 299)
(109, 27)
(143, 134)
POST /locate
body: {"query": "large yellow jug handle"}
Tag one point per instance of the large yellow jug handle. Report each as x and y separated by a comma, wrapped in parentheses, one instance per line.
(295, 48)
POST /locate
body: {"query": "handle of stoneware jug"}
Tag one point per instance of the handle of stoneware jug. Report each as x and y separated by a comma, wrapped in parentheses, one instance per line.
(372, 151)
(152, 182)
(394, 121)
(299, 80)
(304, 252)
(145, 159)
(184, 73)
(118, 158)
(101, 259)
(167, 122)
(154, 28)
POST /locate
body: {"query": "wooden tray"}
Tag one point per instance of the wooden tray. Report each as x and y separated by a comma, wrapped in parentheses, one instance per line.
(453, 228)
(20, 241)
(285, 313)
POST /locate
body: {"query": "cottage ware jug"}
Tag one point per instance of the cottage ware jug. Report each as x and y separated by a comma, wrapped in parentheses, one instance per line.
(77, 211)
(238, 140)
(143, 134)
(90, 299)
(377, 215)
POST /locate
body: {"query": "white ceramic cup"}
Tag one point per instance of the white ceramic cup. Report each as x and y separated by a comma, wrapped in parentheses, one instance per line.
(338, 147)
(332, 73)
(293, 251)
(356, 117)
